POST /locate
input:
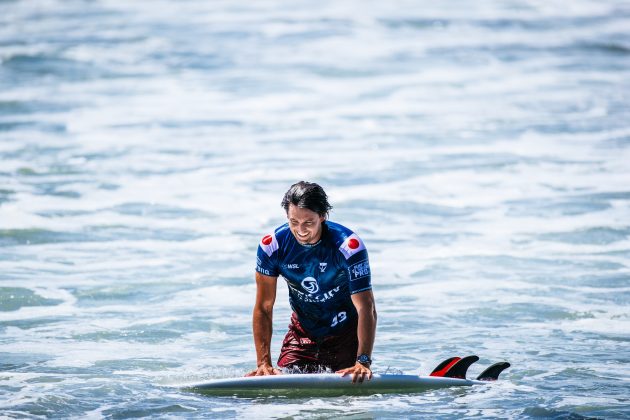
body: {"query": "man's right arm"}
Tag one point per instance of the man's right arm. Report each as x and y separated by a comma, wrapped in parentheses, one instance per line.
(262, 323)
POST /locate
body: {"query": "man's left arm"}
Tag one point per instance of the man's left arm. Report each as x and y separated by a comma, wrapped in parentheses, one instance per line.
(366, 331)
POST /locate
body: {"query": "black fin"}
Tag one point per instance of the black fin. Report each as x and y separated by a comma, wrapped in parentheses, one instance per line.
(444, 366)
(458, 370)
(492, 373)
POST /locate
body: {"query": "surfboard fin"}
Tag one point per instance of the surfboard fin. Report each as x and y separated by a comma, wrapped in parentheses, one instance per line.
(492, 373)
(459, 369)
(443, 367)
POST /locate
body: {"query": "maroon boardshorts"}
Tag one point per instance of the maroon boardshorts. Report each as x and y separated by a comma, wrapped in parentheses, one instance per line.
(309, 354)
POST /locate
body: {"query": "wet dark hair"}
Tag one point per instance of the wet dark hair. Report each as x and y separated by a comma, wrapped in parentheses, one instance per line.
(307, 195)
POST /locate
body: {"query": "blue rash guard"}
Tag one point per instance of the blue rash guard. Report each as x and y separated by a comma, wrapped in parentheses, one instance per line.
(321, 277)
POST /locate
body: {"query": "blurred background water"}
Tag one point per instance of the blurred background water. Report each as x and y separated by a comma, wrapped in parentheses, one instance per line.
(481, 149)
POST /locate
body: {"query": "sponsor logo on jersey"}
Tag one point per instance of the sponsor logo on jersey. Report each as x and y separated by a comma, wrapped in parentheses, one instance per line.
(269, 244)
(310, 285)
(359, 270)
(310, 298)
(322, 267)
(263, 271)
(293, 266)
(351, 246)
(259, 267)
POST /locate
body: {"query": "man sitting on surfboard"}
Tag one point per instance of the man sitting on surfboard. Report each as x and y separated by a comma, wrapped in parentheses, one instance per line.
(327, 271)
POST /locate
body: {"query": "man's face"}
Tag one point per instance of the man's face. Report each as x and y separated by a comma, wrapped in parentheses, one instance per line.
(305, 224)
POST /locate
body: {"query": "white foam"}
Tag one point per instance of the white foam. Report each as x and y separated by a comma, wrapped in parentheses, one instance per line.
(465, 145)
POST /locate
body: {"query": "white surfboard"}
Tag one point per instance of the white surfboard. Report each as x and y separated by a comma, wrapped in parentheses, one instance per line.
(451, 372)
(324, 384)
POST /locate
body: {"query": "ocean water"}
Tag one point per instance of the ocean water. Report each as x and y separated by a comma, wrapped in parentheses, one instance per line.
(481, 150)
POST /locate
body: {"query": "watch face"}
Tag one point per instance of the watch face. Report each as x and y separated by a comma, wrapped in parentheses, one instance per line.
(364, 358)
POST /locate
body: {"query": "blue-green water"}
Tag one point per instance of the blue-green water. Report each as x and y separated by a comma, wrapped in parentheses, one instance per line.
(481, 150)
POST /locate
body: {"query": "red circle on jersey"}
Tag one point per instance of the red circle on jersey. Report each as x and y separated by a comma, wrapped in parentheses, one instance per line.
(267, 240)
(353, 244)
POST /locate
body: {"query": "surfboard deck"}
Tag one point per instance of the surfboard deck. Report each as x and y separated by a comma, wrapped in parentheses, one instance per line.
(324, 384)
(450, 373)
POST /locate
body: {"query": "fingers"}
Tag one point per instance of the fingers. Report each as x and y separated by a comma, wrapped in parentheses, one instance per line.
(358, 374)
(268, 371)
(362, 377)
(358, 377)
(264, 371)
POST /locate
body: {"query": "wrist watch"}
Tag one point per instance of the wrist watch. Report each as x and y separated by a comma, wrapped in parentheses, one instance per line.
(365, 360)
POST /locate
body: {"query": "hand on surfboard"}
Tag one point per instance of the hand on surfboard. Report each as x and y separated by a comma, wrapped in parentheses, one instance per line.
(358, 372)
(263, 370)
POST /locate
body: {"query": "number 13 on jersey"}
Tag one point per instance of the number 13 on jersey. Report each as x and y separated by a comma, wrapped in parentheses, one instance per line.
(339, 318)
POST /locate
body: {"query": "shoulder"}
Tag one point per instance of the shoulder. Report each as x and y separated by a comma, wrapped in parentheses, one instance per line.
(338, 232)
(270, 242)
(345, 239)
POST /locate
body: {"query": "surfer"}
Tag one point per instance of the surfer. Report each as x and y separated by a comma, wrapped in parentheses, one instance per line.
(327, 271)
